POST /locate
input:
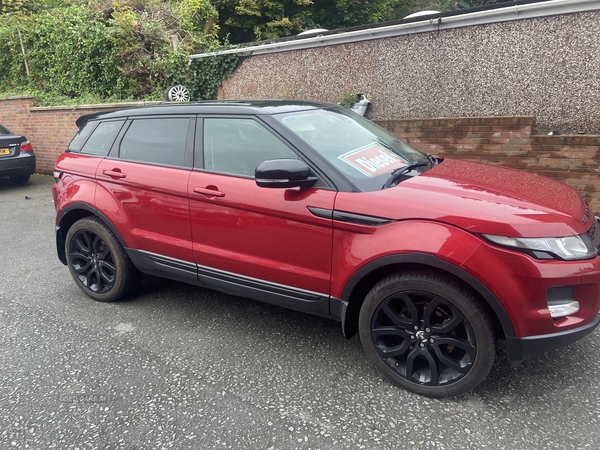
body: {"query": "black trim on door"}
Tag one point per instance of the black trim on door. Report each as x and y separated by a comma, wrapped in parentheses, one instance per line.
(164, 266)
(265, 291)
(230, 283)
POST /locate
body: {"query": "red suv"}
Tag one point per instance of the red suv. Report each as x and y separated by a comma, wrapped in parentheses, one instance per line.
(312, 207)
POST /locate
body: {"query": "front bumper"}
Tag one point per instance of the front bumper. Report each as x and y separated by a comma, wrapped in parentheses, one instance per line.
(520, 349)
(524, 287)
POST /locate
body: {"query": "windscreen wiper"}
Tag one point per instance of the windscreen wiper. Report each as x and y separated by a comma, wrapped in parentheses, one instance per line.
(397, 173)
(432, 160)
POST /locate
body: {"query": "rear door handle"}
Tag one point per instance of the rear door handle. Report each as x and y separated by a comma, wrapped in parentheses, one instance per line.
(209, 191)
(115, 173)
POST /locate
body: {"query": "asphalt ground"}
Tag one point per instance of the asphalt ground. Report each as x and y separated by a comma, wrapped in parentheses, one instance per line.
(176, 366)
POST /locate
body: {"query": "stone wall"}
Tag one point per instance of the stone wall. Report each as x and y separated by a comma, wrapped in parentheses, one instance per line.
(545, 67)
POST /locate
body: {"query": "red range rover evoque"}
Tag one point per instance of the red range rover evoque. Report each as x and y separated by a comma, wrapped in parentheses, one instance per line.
(312, 207)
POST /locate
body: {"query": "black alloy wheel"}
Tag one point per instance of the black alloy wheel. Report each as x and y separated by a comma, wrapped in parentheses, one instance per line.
(98, 262)
(427, 334)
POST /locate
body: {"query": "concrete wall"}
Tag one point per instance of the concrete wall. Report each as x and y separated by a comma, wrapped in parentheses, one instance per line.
(545, 67)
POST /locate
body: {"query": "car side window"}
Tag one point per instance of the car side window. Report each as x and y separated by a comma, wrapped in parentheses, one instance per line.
(156, 140)
(238, 146)
(99, 141)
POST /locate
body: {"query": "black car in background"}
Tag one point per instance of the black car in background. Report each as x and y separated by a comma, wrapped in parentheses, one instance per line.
(17, 159)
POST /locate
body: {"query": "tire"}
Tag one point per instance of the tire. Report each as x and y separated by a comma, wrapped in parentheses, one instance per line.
(167, 93)
(20, 179)
(98, 262)
(427, 334)
(177, 93)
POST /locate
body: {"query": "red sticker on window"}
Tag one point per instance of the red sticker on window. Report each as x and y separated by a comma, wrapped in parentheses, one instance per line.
(373, 160)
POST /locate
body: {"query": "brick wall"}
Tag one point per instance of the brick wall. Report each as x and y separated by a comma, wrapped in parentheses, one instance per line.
(509, 142)
(506, 141)
(49, 129)
(15, 112)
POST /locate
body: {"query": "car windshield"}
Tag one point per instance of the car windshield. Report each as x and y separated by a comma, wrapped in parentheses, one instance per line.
(361, 150)
(4, 131)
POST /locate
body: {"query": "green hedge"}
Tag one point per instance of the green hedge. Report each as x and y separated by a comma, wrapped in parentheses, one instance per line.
(85, 54)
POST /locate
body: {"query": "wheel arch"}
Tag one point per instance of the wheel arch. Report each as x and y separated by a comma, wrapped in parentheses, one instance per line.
(366, 277)
(72, 214)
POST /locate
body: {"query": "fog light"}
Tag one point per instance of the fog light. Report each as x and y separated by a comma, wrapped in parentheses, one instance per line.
(562, 308)
(561, 301)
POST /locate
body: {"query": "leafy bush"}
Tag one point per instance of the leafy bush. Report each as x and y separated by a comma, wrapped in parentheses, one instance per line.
(117, 50)
(206, 75)
(69, 54)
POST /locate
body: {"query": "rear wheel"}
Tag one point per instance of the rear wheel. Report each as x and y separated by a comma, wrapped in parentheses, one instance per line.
(427, 334)
(98, 262)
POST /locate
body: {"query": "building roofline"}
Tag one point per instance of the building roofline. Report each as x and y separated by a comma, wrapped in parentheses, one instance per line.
(503, 12)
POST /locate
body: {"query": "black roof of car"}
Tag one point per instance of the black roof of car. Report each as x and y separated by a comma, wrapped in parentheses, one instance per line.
(240, 107)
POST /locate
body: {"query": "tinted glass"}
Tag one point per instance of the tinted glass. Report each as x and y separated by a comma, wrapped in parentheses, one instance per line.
(101, 139)
(238, 146)
(364, 152)
(4, 131)
(158, 141)
(82, 135)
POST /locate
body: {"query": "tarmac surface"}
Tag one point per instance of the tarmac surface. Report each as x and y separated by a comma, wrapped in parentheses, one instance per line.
(180, 367)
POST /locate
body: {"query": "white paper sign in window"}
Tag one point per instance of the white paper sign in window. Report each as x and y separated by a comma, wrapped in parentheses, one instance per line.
(373, 160)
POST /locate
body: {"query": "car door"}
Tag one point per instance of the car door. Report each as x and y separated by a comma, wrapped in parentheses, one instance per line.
(142, 189)
(257, 242)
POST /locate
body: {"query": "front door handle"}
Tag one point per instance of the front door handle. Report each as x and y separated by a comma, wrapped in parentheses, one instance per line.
(115, 173)
(209, 191)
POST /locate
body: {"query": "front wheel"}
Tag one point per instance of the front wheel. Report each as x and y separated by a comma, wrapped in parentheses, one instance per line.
(98, 262)
(427, 334)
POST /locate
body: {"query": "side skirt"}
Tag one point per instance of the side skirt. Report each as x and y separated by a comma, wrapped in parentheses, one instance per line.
(230, 283)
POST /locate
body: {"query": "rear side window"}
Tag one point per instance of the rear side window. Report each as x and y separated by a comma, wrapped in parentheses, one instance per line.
(101, 138)
(82, 135)
(157, 141)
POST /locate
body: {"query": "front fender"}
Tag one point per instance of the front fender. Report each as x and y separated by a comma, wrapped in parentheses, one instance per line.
(354, 250)
(361, 259)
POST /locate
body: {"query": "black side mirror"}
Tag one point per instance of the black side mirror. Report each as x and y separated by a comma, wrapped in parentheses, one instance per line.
(283, 173)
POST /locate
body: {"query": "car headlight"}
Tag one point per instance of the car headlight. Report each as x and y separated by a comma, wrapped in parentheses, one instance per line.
(568, 248)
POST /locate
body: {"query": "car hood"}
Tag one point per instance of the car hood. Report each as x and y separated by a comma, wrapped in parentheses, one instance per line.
(482, 199)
